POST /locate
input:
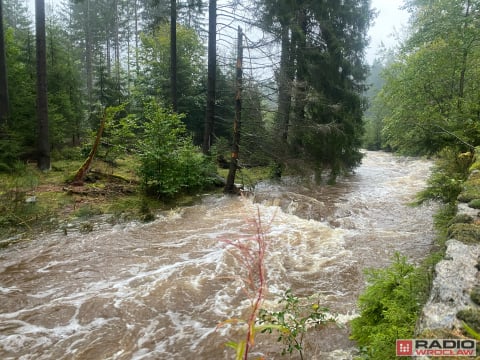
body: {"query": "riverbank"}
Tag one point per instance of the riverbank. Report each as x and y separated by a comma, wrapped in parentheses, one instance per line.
(453, 308)
(33, 202)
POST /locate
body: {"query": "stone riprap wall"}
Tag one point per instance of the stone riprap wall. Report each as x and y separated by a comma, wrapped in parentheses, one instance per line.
(455, 294)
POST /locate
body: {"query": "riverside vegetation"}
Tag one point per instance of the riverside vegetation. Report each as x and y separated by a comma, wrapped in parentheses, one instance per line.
(392, 302)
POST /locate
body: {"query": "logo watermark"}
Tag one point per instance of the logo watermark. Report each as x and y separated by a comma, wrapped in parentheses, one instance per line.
(436, 347)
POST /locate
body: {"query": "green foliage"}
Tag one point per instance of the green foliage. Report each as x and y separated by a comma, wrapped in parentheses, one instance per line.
(19, 208)
(65, 97)
(475, 295)
(447, 179)
(475, 204)
(461, 219)
(430, 95)
(466, 233)
(375, 112)
(154, 80)
(10, 148)
(170, 163)
(120, 134)
(389, 307)
(470, 331)
(293, 321)
(320, 80)
(21, 75)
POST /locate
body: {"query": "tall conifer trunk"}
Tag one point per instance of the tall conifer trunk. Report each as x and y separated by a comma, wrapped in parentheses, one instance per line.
(173, 54)
(212, 65)
(237, 122)
(4, 102)
(43, 142)
(284, 85)
(300, 80)
(89, 56)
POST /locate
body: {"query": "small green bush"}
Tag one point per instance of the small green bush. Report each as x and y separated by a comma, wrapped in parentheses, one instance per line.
(293, 321)
(389, 308)
(447, 179)
(475, 295)
(170, 163)
(474, 204)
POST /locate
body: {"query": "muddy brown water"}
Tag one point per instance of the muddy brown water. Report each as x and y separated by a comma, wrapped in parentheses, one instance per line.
(158, 290)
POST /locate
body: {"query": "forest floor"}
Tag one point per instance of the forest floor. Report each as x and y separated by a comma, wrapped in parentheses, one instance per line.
(32, 201)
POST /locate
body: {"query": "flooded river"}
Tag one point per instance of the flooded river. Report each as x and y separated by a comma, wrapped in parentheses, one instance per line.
(158, 290)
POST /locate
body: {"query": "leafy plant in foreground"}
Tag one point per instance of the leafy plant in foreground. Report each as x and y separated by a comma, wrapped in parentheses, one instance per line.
(293, 321)
(389, 307)
(250, 253)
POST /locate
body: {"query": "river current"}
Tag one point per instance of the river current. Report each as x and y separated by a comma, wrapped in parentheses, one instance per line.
(159, 290)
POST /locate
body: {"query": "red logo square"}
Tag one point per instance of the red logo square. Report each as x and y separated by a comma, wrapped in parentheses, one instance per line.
(404, 347)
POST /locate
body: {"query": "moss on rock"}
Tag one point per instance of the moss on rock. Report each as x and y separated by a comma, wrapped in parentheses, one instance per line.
(466, 233)
(460, 219)
(471, 317)
(475, 295)
(469, 193)
(474, 204)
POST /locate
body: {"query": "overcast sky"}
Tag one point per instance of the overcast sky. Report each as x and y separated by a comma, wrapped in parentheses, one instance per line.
(390, 20)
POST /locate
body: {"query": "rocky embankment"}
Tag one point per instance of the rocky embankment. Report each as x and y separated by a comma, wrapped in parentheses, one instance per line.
(453, 309)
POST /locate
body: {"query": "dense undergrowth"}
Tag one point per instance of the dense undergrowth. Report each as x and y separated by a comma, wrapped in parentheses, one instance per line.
(33, 201)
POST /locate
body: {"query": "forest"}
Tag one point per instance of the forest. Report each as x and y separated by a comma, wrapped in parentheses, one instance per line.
(185, 87)
(170, 98)
(301, 89)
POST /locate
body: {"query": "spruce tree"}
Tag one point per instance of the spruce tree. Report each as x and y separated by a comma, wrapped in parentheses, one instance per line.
(321, 77)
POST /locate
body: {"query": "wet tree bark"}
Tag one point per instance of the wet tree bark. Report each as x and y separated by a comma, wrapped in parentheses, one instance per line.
(230, 184)
(4, 103)
(212, 68)
(173, 54)
(43, 142)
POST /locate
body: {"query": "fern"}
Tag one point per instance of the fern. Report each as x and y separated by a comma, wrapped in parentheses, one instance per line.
(389, 308)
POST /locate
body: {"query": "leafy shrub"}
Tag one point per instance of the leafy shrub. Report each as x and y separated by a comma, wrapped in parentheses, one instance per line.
(293, 321)
(447, 178)
(389, 308)
(475, 204)
(170, 162)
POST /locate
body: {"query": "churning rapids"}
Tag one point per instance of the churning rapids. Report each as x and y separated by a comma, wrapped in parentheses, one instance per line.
(158, 290)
